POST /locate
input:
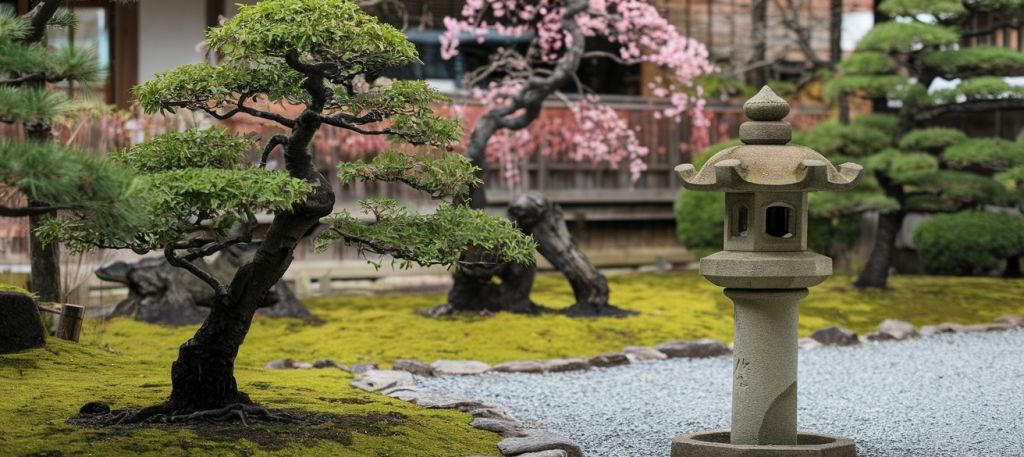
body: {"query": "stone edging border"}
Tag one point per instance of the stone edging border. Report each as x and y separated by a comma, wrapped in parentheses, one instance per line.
(521, 441)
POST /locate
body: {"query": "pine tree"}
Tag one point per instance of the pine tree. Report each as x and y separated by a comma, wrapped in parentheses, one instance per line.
(201, 196)
(922, 167)
(37, 177)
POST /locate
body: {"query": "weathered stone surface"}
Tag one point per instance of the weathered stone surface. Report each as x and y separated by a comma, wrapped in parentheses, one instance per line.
(326, 363)
(416, 367)
(538, 441)
(609, 359)
(641, 353)
(519, 366)
(20, 325)
(560, 365)
(701, 348)
(378, 380)
(895, 330)
(397, 390)
(505, 427)
(364, 367)
(876, 337)
(992, 327)
(285, 364)
(459, 367)
(945, 327)
(1013, 320)
(547, 453)
(808, 343)
(836, 336)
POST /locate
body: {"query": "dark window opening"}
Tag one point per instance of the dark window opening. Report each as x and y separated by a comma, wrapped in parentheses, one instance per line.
(742, 221)
(776, 222)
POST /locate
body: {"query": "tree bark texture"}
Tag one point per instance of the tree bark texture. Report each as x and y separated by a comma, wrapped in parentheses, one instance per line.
(44, 258)
(202, 377)
(160, 293)
(876, 272)
(759, 43)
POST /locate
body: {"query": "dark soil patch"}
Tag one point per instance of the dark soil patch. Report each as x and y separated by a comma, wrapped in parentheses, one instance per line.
(308, 427)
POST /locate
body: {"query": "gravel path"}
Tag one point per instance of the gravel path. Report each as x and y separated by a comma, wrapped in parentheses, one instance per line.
(950, 395)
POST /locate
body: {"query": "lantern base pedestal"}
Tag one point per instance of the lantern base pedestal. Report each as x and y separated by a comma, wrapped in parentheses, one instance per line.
(715, 443)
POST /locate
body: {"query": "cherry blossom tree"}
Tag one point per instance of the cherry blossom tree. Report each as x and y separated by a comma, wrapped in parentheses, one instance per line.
(519, 79)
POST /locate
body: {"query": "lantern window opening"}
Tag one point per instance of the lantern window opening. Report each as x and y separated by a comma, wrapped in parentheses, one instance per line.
(742, 221)
(778, 221)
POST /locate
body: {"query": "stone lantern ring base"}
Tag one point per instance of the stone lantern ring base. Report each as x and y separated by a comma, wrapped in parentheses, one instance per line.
(716, 444)
(766, 270)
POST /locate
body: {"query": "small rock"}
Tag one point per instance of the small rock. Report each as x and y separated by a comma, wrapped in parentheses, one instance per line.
(413, 366)
(284, 364)
(94, 407)
(945, 327)
(487, 412)
(20, 325)
(609, 359)
(538, 441)
(547, 453)
(503, 426)
(519, 366)
(364, 367)
(701, 348)
(836, 336)
(1013, 320)
(808, 343)
(877, 336)
(895, 330)
(560, 365)
(639, 353)
(378, 380)
(459, 367)
(395, 391)
(325, 363)
(993, 327)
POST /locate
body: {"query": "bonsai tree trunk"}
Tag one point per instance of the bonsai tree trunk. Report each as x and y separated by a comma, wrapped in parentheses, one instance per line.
(537, 216)
(1012, 269)
(475, 290)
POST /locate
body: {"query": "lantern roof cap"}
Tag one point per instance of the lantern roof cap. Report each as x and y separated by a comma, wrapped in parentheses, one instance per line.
(766, 161)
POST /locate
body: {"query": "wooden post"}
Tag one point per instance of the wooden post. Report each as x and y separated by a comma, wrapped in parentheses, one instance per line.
(70, 325)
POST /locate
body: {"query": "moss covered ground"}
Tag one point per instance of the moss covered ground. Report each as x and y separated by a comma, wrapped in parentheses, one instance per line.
(126, 363)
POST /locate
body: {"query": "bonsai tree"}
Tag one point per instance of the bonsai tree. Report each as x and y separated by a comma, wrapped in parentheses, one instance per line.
(38, 177)
(201, 197)
(558, 36)
(931, 169)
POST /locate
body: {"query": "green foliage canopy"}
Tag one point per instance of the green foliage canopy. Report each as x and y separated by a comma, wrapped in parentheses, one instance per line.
(968, 243)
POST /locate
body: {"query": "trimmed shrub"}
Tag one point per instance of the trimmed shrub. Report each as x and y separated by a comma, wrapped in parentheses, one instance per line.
(968, 243)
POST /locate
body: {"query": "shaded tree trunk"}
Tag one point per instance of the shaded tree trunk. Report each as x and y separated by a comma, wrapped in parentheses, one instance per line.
(475, 290)
(1012, 269)
(835, 37)
(44, 258)
(202, 377)
(759, 43)
(160, 293)
(543, 219)
(876, 272)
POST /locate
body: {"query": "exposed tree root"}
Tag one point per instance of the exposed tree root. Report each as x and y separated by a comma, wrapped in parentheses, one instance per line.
(242, 413)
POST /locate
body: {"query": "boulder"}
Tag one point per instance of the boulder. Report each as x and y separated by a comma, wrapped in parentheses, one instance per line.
(538, 441)
(503, 426)
(701, 348)
(640, 353)
(1013, 320)
(609, 359)
(808, 343)
(378, 380)
(945, 327)
(519, 366)
(892, 330)
(364, 367)
(560, 365)
(413, 366)
(459, 367)
(20, 325)
(836, 336)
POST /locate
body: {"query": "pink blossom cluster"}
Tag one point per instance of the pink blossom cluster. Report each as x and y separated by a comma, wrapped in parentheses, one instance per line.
(643, 36)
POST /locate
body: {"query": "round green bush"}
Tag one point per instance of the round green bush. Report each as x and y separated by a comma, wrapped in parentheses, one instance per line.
(699, 220)
(969, 242)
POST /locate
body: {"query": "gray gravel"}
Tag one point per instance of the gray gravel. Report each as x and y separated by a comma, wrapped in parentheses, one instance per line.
(949, 395)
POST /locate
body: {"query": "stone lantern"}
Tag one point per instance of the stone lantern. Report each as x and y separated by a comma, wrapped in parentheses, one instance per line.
(766, 270)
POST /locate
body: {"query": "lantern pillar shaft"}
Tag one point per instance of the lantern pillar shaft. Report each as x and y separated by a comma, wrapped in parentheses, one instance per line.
(764, 390)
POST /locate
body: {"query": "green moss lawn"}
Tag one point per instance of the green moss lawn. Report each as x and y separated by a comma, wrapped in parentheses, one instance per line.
(126, 363)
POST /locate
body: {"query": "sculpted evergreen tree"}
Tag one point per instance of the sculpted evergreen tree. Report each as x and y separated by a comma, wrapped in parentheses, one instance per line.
(515, 84)
(199, 192)
(38, 177)
(932, 169)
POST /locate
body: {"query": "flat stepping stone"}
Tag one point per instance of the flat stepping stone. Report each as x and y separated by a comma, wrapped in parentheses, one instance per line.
(538, 441)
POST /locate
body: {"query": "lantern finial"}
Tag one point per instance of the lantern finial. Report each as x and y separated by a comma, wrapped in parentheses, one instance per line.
(766, 111)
